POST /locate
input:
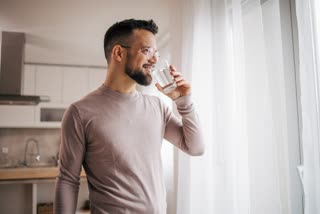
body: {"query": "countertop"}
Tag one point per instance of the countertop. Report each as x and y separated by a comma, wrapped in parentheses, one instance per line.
(30, 173)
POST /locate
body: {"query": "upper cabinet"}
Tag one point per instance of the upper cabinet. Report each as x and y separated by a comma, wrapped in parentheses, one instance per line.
(64, 85)
(95, 78)
(29, 83)
(49, 82)
(74, 84)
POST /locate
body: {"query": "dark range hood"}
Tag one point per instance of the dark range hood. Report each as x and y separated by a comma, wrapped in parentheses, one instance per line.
(11, 71)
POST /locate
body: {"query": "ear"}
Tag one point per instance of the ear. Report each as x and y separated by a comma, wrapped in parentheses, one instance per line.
(118, 53)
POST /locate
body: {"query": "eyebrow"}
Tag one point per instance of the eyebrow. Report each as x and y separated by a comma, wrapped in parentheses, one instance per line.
(155, 50)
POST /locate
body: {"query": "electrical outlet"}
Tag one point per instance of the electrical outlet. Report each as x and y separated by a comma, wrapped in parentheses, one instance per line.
(5, 150)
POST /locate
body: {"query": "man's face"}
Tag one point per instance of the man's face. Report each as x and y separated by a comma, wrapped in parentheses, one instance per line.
(139, 62)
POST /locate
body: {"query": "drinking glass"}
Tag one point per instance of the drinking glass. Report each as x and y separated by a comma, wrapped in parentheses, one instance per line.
(162, 75)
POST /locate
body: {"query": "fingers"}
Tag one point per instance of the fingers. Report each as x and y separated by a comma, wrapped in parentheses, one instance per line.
(178, 78)
(172, 68)
(182, 82)
(159, 87)
(175, 73)
(183, 86)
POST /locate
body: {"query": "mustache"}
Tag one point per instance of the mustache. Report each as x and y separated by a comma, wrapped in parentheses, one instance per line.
(152, 66)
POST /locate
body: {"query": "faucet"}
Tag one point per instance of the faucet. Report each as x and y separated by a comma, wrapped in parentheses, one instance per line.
(37, 155)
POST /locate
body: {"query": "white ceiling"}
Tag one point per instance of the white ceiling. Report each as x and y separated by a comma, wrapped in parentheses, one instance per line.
(71, 32)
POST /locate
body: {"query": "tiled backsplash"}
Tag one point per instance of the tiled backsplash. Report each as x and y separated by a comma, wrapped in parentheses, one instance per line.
(13, 144)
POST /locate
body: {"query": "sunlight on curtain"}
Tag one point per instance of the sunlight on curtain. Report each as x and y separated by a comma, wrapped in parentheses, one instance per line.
(234, 57)
(309, 56)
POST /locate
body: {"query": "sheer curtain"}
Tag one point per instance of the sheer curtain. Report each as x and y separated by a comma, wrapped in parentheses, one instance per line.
(308, 17)
(232, 52)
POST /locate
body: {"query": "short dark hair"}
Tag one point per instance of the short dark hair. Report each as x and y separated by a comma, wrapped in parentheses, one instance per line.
(120, 32)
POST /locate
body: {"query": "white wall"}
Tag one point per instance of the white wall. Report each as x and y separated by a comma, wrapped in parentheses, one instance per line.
(71, 32)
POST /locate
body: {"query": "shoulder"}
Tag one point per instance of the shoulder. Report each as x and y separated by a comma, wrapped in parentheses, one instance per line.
(86, 104)
(89, 99)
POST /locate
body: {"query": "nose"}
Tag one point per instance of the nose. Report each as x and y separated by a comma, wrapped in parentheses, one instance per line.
(153, 59)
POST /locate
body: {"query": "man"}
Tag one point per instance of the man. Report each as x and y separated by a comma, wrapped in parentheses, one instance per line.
(116, 132)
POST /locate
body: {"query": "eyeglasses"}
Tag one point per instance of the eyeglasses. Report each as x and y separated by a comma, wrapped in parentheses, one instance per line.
(148, 51)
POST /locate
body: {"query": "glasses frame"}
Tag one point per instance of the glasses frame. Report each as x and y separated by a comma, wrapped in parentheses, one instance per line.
(150, 54)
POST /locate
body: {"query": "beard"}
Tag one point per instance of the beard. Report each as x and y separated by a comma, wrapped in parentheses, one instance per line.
(139, 76)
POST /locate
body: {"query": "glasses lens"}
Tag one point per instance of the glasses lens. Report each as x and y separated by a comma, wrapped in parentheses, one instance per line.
(157, 55)
(150, 52)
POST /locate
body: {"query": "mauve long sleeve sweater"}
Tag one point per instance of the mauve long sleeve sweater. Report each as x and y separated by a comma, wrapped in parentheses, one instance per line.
(117, 139)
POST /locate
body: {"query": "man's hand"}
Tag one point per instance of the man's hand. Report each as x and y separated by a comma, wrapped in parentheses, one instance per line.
(183, 86)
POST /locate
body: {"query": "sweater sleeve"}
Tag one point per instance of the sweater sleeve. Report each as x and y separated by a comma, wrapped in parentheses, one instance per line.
(72, 150)
(184, 133)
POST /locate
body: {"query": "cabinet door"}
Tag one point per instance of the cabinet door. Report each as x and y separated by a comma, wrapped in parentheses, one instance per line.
(16, 116)
(96, 77)
(75, 84)
(29, 81)
(49, 82)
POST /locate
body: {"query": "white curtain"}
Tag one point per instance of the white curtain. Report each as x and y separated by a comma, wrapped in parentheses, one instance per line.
(308, 17)
(231, 50)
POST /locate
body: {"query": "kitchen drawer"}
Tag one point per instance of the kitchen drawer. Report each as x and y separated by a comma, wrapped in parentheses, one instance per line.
(11, 115)
(44, 115)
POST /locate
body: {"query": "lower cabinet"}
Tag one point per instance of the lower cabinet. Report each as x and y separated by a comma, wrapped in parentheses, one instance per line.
(44, 115)
(26, 196)
(12, 115)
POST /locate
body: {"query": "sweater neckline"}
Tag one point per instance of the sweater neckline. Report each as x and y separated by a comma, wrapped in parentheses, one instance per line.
(118, 95)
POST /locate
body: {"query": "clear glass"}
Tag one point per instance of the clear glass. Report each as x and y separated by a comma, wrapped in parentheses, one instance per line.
(162, 75)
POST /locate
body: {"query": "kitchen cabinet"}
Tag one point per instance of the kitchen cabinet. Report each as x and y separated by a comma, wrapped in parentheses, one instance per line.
(49, 82)
(33, 186)
(63, 84)
(29, 80)
(13, 115)
(74, 84)
(95, 78)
